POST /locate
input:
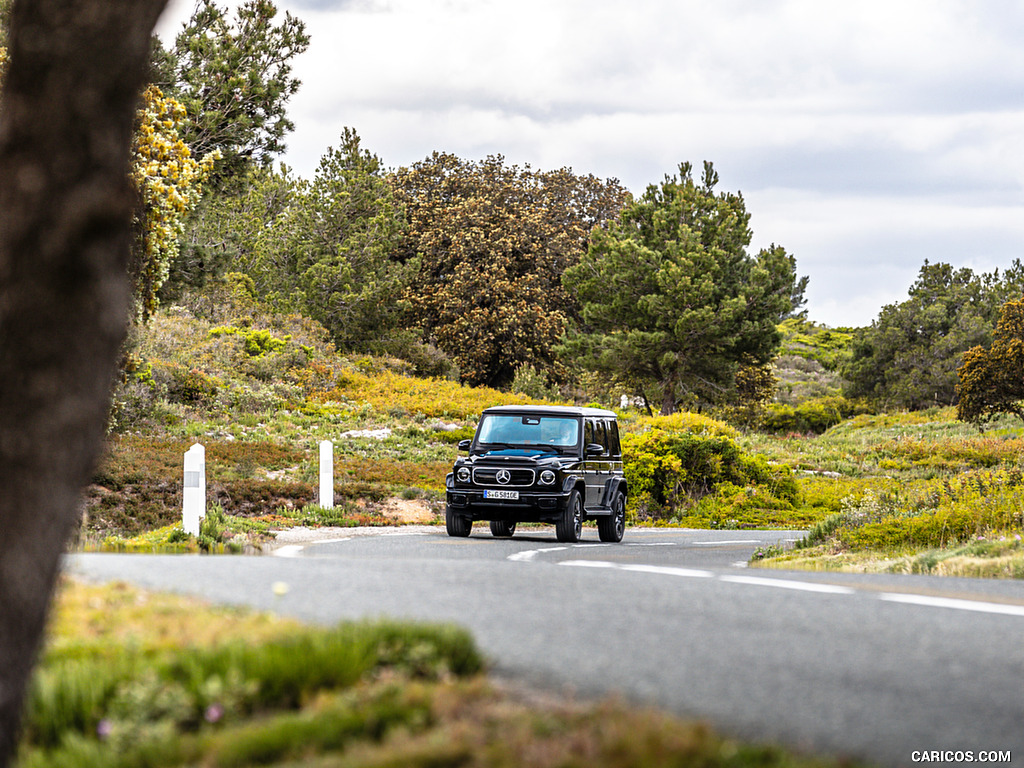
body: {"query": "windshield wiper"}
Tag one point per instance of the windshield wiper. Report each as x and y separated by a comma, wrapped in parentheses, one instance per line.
(523, 447)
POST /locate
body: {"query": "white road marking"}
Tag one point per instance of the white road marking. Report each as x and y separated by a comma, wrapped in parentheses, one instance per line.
(667, 570)
(800, 586)
(718, 543)
(659, 569)
(527, 555)
(948, 602)
(652, 543)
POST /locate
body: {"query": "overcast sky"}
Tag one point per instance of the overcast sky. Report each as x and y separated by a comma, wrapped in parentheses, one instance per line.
(865, 136)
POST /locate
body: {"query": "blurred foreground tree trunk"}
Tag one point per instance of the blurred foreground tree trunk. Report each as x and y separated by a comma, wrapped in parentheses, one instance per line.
(68, 105)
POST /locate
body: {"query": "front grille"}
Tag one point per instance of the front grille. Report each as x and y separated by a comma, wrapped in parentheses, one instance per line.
(517, 477)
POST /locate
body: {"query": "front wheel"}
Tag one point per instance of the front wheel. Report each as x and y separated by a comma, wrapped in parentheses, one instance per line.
(612, 527)
(502, 529)
(569, 526)
(456, 525)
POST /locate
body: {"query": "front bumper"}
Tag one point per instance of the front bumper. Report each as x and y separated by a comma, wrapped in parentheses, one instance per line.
(531, 506)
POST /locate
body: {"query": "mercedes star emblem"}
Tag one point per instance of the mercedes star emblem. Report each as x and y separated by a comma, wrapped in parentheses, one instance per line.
(503, 476)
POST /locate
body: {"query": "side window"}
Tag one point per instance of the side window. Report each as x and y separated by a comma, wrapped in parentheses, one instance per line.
(588, 433)
(600, 436)
(613, 439)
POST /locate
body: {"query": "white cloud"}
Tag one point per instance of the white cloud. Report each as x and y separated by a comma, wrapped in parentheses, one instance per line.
(865, 136)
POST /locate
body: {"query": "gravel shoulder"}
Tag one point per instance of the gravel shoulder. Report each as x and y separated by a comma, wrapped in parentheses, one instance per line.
(302, 535)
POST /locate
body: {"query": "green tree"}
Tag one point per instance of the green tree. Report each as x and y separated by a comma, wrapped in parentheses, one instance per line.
(234, 77)
(908, 357)
(329, 254)
(991, 381)
(671, 300)
(320, 247)
(231, 229)
(491, 242)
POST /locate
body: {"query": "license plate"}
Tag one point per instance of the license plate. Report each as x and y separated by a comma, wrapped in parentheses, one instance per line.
(509, 495)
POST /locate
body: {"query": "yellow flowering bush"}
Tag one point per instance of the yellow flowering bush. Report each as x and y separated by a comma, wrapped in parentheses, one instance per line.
(169, 181)
(670, 471)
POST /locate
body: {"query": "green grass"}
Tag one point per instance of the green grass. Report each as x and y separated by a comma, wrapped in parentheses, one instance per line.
(919, 493)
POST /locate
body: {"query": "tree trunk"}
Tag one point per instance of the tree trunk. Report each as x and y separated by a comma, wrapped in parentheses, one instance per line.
(668, 396)
(66, 117)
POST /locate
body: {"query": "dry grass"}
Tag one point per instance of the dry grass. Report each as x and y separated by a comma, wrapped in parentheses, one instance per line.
(95, 616)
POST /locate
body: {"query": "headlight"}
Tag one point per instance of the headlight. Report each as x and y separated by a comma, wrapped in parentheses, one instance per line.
(547, 477)
(463, 474)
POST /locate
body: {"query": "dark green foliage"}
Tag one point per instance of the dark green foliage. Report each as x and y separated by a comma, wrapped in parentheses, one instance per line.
(490, 243)
(323, 248)
(991, 381)
(909, 356)
(329, 254)
(185, 385)
(671, 299)
(234, 78)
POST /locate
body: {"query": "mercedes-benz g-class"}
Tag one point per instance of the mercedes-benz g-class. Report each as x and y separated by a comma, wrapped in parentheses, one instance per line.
(548, 464)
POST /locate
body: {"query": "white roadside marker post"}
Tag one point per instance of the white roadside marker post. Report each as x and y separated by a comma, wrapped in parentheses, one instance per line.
(193, 497)
(326, 474)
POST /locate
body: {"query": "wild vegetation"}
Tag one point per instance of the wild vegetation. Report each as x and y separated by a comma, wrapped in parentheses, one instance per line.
(369, 306)
(261, 389)
(130, 678)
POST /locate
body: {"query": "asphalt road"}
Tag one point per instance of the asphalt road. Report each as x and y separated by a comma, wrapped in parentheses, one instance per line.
(876, 667)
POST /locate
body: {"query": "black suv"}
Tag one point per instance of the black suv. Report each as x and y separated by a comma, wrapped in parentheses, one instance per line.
(540, 464)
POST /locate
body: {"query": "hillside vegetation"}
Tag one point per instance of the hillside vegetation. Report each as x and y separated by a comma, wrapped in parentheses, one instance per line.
(912, 491)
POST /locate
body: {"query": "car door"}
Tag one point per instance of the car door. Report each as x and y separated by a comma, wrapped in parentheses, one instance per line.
(614, 448)
(595, 468)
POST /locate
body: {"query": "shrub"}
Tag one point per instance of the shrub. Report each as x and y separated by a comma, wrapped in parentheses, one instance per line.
(532, 383)
(815, 415)
(190, 386)
(671, 471)
(254, 342)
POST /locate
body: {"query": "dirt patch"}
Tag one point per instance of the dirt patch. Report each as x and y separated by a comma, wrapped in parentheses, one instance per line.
(408, 511)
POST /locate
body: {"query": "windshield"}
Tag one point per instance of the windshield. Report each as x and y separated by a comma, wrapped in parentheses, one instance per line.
(519, 431)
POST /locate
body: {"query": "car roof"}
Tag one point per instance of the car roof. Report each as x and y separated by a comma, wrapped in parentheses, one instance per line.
(552, 410)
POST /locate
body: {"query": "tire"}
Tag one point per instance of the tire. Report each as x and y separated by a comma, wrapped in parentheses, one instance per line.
(456, 525)
(612, 527)
(502, 529)
(569, 526)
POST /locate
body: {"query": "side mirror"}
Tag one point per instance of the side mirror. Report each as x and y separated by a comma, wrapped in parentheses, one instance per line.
(465, 444)
(594, 449)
